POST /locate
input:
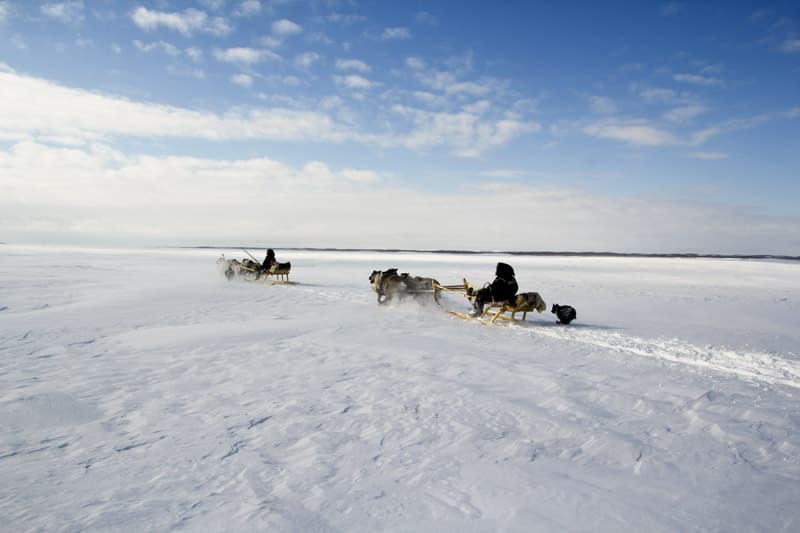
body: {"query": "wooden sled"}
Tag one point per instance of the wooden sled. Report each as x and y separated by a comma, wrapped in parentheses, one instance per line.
(279, 272)
(525, 303)
(252, 271)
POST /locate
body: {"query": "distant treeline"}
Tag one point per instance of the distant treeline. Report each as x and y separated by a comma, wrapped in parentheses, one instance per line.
(515, 252)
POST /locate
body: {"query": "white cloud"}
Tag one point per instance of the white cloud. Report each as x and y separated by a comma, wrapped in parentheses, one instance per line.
(467, 133)
(658, 95)
(117, 49)
(672, 9)
(285, 28)
(194, 53)
(244, 80)
(186, 72)
(5, 11)
(245, 56)
(306, 59)
(634, 132)
(82, 194)
(34, 107)
(429, 98)
(685, 113)
(712, 69)
(67, 12)
(352, 64)
(415, 63)
(167, 48)
(19, 42)
(708, 155)
(248, 8)
(504, 173)
(602, 105)
(354, 81)
(791, 46)
(423, 17)
(390, 34)
(270, 41)
(340, 18)
(213, 5)
(186, 23)
(696, 79)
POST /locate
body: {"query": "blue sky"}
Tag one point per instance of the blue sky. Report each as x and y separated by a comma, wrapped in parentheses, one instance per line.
(623, 126)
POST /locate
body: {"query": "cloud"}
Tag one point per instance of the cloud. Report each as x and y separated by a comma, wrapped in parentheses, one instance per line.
(340, 18)
(708, 155)
(245, 56)
(248, 8)
(390, 34)
(285, 28)
(242, 79)
(352, 64)
(672, 9)
(167, 48)
(33, 107)
(685, 113)
(415, 63)
(306, 59)
(791, 46)
(194, 53)
(213, 5)
(658, 95)
(633, 132)
(186, 72)
(696, 79)
(467, 133)
(98, 194)
(602, 105)
(354, 81)
(67, 12)
(503, 173)
(761, 15)
(5, 11)
(423, 17)
(186, 23)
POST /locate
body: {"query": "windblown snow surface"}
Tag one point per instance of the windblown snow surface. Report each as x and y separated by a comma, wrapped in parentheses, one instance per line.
(141, 391)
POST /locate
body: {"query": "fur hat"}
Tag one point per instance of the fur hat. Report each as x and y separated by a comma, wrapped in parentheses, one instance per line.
(504, 271)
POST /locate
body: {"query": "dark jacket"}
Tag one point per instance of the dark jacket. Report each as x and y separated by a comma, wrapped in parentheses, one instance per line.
(504, 287)
(269, 260)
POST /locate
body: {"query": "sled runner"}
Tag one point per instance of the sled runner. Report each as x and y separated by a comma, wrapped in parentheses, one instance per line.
(524, 303)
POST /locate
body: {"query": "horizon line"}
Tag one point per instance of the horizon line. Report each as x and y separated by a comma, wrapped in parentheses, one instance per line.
(515, 252)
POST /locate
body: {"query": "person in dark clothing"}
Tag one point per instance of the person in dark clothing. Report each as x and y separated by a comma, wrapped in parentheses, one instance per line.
(269, 260)
(503, 288)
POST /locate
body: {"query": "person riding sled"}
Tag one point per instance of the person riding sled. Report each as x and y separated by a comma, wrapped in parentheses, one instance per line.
(269, 260)
(502, 289)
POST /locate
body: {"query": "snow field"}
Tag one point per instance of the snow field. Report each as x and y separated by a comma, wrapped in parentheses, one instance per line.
(141, 391)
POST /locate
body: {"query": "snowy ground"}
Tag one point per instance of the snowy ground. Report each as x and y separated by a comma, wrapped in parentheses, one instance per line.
(140, 391)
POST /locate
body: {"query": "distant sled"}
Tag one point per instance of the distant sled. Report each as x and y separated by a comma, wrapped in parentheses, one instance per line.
(249, 270)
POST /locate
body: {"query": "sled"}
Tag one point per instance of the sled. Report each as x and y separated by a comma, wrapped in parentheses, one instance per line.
(250, 270)
(491, 310)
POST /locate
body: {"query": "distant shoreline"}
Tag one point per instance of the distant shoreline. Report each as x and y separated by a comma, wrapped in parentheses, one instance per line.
(515, 252)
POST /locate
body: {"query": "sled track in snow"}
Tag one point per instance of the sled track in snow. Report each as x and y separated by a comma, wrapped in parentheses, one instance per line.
(754, 366)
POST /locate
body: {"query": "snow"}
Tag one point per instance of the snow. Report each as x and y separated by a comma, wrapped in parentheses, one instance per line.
(141, 391)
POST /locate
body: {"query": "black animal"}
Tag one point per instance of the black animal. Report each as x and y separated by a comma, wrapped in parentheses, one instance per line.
(565, 313)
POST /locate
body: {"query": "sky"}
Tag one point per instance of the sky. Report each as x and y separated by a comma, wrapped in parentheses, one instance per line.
(621, 126)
